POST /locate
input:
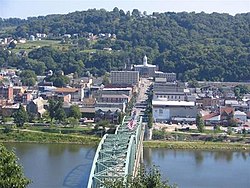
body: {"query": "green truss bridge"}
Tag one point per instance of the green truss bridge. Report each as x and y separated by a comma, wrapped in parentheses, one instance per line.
(118, 155)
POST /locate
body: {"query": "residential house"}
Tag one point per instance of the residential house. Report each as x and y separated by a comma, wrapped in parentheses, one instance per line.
(9, 109)
(212, 118)
(112, 117)
(77, 94)
(226, 114)
(241, 116)
(37, 106)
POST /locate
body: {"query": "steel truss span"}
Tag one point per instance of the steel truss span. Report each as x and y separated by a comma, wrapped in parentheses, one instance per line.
(117, 154)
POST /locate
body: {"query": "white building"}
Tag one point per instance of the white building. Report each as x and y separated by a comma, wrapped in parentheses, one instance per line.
(180, 111)
(146, 70)
(242, 116)
(164, 77)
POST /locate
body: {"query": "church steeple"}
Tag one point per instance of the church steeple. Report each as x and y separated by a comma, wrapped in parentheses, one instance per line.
(145, 61)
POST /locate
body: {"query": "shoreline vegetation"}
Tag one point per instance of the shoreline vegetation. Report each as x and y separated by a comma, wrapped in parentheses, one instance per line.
(43, 137)
(52, 138)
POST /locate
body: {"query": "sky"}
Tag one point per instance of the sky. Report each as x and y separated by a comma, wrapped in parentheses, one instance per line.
(29, 8)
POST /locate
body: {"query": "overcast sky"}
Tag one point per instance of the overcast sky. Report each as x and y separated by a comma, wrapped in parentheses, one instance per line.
(27, 8)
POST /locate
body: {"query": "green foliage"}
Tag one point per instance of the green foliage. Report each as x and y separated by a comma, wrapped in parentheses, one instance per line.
(56, 111)
(105, 80)
(58, 80)
(158, 135)
(74, 111)
(28, 77)
(217, 129)
(200, 123)
(240, 90)
(21, 116)
(145, 179)
(229, 130)
(11, 174)
(103, 123)
(7, 129)
(72, 121)
(197, 46)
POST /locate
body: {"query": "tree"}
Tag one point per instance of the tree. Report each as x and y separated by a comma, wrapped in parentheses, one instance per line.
(74, 111)
(28, 77)
(58, 80)
(145, 179)
(72, 121)
(105, 80)
(56, 111)
(60, 115)
(21, 116)
(200, 123)
(11, 174)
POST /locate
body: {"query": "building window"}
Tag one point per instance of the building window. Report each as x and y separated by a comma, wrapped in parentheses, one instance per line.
(160, 112)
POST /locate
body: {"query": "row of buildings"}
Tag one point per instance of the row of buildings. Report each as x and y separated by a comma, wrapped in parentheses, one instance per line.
(172, 101)
(176, 102)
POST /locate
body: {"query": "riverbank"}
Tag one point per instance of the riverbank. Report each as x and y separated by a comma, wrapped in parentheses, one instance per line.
(42, 137)
(197, 145)
(30, 136)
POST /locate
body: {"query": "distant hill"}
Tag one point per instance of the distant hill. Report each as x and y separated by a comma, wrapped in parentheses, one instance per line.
(197, 46)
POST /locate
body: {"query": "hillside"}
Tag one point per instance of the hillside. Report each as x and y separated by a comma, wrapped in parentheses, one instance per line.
(197, 46)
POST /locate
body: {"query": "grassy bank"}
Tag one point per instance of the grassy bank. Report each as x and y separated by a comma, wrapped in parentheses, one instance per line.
(41, 137)
(197, 145)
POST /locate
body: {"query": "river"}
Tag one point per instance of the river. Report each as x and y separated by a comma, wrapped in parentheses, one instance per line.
(67, 165)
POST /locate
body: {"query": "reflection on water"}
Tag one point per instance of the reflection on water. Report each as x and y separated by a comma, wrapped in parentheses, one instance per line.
(55, 165)
(209, 169)
(198, 155)
(65, 165)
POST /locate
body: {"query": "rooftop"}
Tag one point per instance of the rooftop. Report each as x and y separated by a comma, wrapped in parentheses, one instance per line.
(172, 103)
(66, 90)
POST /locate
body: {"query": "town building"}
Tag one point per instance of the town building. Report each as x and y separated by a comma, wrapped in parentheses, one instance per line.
(174, 111)
(146, 70)
(241, 116)
(6, 92)
(208, 102)
(170, 91)
(37, 106)
(164, 77)
(124, 77)
(77, 94)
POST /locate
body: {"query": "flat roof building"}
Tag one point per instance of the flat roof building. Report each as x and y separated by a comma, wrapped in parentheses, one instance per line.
(124, 77)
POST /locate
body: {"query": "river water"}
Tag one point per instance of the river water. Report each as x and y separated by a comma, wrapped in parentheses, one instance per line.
(67, 165)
